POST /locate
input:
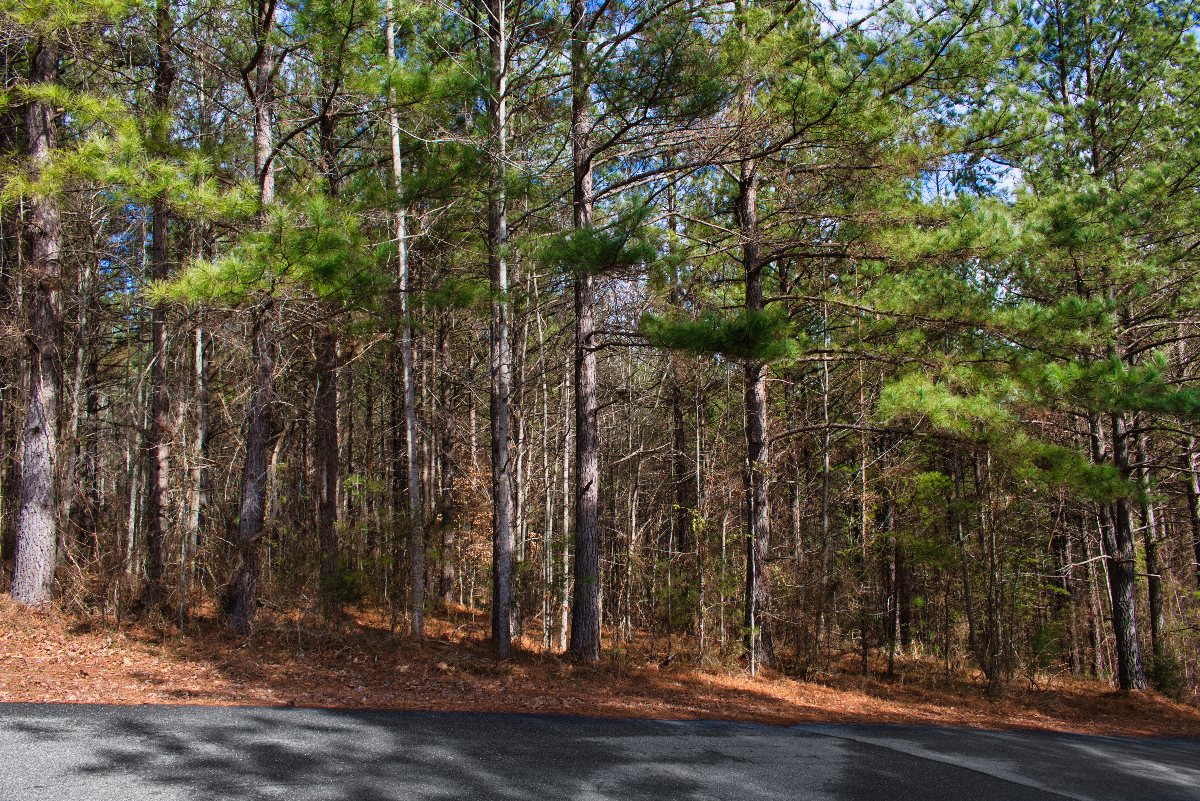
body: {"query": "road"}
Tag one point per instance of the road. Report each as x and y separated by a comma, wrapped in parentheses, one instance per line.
(99, 753)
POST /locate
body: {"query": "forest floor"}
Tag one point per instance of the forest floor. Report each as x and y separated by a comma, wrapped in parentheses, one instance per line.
(291, 660)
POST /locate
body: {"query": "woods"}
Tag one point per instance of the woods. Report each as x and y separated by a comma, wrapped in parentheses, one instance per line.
(767, 331)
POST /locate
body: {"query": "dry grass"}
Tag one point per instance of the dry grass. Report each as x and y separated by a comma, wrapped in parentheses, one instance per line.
(292, 660)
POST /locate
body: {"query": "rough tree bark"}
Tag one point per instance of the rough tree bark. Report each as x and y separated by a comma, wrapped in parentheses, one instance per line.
(501, 346)
(585, 611)
(239, 598)
(416, 533)
(10, 368)
(758, 512)
(158, 433)
(1150, 541)
(1116, 526)
(33, 574)
(327, 459)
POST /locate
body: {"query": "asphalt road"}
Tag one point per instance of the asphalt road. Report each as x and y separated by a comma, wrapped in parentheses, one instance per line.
(96, 753)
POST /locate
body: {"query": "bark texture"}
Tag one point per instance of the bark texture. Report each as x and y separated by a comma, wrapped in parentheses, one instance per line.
(159, 432)
(240, 596)
(758, 511)
(585, 611)
(501, 345)
(37, 533)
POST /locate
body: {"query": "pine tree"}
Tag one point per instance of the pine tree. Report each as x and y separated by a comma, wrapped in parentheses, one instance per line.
(37, 530)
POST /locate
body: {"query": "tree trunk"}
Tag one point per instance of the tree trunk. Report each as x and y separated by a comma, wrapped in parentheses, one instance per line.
(1150, 539)
(198, 499)
(327, 459)
(240, 594)
(1095, 613)
(90, 454)
(681, 467)
(826, 584)
(585, 612)
(904, 596)
(447, 495)
(1063, 603)
(1117, 527)
(564, 593)
(33, 575)
(955, 522)
(501, 347)
(70, 524)
(416, 533)
(757, 603)
(158, 433)
(1193, 496)
(325, 442)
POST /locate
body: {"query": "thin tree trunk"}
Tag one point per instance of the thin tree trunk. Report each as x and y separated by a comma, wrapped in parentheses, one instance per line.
(564, 594)
(1117, 527)
(326, 367)
(681, 474)
(501, 347)
(133, 462)
(1193, 496)
(585, 612)
(757, 604)
(135, 468)
(472, 417)
(89, 520)
(826, 585)
(158, 433)
(991, 643)
(70, 526)
(448, 499)
(885, 524)
(700, 534)
(1150, 540)
(904, 611)
(521, 468)
(1063, 600)
(240, 593)
(198, 490)
(327, 467)
(519, 476)
(955, 520)
(547, 478)
(416, 534)
(1095, 615)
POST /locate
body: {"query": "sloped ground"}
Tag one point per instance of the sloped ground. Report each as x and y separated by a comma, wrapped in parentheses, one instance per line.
(293, 661)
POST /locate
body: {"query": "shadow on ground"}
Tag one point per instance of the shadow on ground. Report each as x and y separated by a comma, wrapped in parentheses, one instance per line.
(219, 753)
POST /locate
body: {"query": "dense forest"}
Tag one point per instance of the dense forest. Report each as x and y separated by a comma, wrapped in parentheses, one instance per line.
(778, 329)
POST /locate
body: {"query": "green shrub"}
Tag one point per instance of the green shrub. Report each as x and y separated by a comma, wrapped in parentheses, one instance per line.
(1166, 675)
(345, 587)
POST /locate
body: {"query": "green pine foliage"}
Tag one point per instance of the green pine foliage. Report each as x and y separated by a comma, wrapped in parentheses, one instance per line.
(311, 247)
(766, 337)
(975, 225)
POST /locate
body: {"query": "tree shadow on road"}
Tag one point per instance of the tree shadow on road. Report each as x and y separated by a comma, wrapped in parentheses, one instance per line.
(220, 753)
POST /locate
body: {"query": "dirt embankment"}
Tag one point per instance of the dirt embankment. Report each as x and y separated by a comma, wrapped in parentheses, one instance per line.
(51, 656)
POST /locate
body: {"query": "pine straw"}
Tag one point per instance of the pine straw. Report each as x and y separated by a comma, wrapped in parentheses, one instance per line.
(293, 660)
